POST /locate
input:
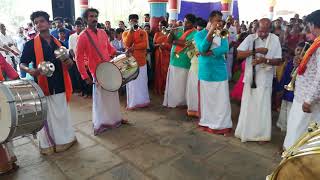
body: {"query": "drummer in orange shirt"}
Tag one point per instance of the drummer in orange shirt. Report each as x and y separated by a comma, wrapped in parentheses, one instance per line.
(106, 105)
(135, 41)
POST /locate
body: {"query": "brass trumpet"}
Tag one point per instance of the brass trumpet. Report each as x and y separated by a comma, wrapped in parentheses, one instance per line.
(165, 30)
(223, 33)
(291, 85)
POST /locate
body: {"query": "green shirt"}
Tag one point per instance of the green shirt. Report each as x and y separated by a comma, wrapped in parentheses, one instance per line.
(182, 60)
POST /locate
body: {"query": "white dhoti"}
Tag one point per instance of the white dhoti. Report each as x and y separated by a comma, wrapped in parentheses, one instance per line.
(175, 93)
(105, 110)
(215, 106)
(298, 122)
(284, 114)
(57, 134)
(137, 90)
(192, 93)
(254, 122)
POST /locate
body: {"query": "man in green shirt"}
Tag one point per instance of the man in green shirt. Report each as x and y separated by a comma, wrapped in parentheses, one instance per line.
(181, 39)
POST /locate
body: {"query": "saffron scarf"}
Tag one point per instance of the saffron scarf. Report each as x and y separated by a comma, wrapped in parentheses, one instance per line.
(303, 65)
(42, 80)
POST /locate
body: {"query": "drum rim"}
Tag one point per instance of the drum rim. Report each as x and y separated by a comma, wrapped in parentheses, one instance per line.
(119, 73)
(13, 111)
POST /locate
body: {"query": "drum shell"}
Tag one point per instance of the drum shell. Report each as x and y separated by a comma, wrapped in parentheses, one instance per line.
(28, 107)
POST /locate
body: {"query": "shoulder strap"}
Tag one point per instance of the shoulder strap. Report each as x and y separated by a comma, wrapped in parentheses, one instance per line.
(94, 45)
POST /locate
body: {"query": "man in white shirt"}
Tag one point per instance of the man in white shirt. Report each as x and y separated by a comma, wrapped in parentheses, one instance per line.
(8, 47)
(117, 42)
(232, 40)
(306, 103)
(262, 51)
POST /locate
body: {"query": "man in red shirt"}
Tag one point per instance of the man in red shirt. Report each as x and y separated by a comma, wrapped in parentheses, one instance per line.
(106, 105)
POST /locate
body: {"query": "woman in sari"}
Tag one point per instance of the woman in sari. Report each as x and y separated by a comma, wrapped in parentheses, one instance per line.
(162, 58)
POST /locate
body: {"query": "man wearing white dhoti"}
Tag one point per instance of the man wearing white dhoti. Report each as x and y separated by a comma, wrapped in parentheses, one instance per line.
(57, 135)
(106, 106)
(215, 109)
(254, 122)
(181, 38)
(135, 41)
(306, 103)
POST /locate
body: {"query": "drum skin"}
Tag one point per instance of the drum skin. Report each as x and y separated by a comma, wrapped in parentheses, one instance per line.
(27, 108)
(117, 73)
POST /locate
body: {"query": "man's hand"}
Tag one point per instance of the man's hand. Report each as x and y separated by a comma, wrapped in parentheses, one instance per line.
(296, 61)
(34, 72)
(259, 60)
(306, 107)
(88, 81)
(262, 50)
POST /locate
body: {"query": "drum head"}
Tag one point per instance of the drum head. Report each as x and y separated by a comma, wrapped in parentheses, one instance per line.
(5, 114)
(109, 76)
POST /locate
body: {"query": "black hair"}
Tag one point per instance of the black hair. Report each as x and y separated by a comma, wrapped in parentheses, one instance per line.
(191, 17)
(37, 14)
(67, 20)
(78, 23)
(201, 22)
(119, 30)
(215, 13)
(302, 44)
(147, 25)
(314, 18)
(112, 30)
(133, 16)
(58, 19)
(61, 30)
(86, 12)
(164, 23)
(147, 14)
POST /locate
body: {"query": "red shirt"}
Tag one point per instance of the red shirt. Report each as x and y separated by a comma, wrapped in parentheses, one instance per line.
(86, 51)
(8, 69)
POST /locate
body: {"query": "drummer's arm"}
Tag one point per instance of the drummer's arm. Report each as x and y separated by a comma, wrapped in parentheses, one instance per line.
(80, 54)
(8, 69)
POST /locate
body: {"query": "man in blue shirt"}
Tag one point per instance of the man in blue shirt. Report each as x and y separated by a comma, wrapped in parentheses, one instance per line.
(60, 26)
(215, 109)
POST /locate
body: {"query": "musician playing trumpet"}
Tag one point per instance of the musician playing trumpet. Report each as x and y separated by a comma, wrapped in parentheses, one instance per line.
(306, 102)
(181, 39)
(254, 122)
(215, 109)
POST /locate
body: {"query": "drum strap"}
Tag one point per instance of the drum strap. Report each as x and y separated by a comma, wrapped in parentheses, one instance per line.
(94, 45)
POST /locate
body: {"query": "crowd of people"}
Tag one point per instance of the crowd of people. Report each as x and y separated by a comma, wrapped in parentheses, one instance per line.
(192, 63)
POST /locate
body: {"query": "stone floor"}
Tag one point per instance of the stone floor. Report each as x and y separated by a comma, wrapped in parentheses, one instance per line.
(159, 143)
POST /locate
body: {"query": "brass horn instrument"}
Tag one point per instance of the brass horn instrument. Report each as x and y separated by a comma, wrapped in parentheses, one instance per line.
(223, 33)
(291, 85)
(165, 30)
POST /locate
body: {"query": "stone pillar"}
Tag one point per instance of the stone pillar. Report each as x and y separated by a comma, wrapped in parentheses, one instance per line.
(158, 11)
(272, 3)
(226, 8)
(84, 4)
(173, 11)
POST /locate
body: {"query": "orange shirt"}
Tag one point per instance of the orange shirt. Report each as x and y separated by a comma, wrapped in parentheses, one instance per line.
(86, 51)
(139, 41)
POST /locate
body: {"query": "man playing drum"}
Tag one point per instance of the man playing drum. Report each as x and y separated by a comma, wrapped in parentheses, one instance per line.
(7, 157)
(106, 105)
(306, 102)
(57, 135)
(136, 42)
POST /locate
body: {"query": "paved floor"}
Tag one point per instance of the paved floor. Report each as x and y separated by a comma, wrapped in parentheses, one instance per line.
(159, 143)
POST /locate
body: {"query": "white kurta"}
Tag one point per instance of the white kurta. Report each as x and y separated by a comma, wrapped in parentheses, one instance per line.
(105, 110)
(254, 122)
(192, 87)
(298, 122)
(215, 105)
(175, 93)
(284, 114)
(58, 129)
(137, 90)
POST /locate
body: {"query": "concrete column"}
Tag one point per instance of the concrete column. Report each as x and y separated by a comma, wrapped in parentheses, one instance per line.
(158, 11)
(173, 11)
(226, 8)
(84, 4)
